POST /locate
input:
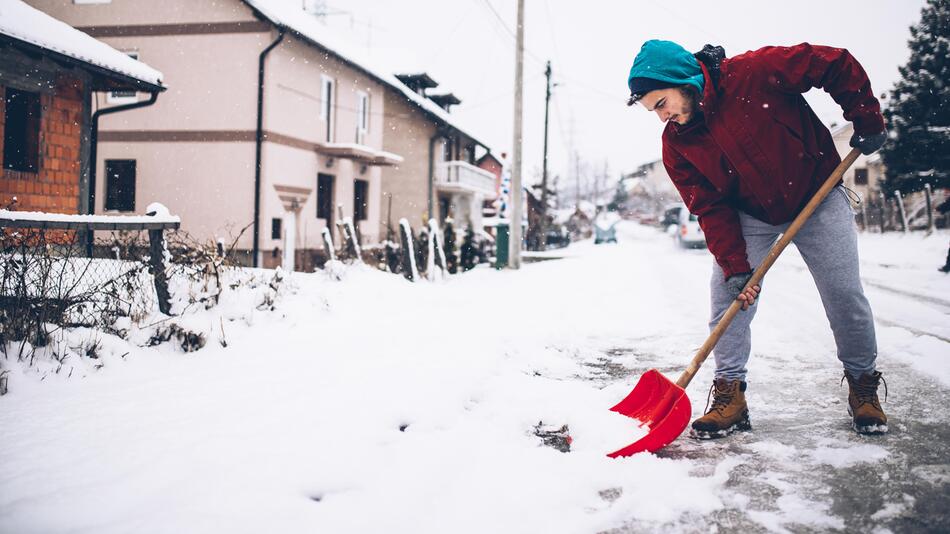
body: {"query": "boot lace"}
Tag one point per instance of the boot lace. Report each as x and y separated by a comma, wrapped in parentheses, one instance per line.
(866, 391)
(721, 398)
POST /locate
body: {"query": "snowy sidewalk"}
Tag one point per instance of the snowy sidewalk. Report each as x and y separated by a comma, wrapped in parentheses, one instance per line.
(371, 404)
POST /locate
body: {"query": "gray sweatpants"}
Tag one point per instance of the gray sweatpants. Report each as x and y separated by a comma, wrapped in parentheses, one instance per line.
(828, 244)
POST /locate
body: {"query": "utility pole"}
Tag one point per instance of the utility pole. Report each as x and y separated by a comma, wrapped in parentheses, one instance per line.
(596, 190)
(514, 245)
(577, 180)
(544, 167)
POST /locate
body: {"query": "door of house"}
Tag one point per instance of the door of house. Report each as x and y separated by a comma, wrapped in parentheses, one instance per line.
(445, 208)
(325, 200)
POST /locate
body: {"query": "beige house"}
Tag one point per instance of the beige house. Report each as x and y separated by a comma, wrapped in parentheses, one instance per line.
(658, 180)
(439, 176)
(270, 125)
(867, 172)
(649, 189)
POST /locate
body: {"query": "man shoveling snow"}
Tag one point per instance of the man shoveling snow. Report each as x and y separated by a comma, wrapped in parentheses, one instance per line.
(746, 153)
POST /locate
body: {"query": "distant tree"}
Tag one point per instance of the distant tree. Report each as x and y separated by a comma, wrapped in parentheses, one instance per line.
(621, 195)
(534, 237)
(919, 112)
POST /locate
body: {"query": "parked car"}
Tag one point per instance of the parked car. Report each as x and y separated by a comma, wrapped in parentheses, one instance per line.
(670, 216)
(557, 237)
(685, 230)
(605, 227)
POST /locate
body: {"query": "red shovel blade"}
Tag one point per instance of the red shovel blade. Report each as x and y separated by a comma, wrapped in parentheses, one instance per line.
(659, 404)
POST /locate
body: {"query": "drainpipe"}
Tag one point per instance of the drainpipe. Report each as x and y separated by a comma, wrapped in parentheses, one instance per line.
(432, 140)
(259, 140)
(94, 141)
(94, 149)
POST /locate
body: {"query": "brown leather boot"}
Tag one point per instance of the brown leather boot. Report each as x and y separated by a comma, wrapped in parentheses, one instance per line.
(728, 412)
(867, 417)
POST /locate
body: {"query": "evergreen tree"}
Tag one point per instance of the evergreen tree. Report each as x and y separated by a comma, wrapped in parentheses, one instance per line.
(469, 253)
(451, 258)
(919, 112)
(392, 256)
(422, 249)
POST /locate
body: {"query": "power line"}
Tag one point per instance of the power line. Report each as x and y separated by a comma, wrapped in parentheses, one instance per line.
(576, 81)
(699, 27)
(496, 96)
(557, 55)
(501, 21)
(547, 10)
(451, 32)
(600, 96)
(560, 125)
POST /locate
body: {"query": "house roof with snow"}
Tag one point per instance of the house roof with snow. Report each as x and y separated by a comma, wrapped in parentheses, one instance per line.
(490, 156)
(445, 100)
(839, 130)
(33, 31)
(417, 82)
(291, 17)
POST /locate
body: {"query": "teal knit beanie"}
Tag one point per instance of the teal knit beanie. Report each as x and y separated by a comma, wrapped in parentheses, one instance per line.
(667, 63)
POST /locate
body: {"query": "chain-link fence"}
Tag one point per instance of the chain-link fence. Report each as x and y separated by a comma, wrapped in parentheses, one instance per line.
(896, 213)
(51, 272)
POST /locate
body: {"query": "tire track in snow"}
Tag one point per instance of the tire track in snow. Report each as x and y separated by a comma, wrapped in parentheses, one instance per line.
(905, 293)
(884, 292)
(910, 329)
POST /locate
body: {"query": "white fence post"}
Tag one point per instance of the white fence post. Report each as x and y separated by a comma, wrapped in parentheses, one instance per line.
(290, 241)
(928, 194)
(900, 206)
(408, 253)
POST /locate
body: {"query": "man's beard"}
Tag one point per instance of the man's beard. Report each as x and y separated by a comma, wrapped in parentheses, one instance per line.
(691, 99)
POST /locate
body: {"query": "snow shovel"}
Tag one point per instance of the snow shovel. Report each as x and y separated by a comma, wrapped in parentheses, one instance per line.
(662, 405)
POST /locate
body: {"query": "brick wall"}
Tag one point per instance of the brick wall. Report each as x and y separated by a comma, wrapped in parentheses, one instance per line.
(60, 180)
(55, 186)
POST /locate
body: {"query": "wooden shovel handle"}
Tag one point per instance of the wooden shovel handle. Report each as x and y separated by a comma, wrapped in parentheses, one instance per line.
(763, 268)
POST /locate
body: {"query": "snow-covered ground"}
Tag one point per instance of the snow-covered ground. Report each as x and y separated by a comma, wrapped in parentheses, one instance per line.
(369, 404)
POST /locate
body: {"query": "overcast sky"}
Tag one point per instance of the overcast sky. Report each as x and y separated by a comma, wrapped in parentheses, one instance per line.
(467, 47)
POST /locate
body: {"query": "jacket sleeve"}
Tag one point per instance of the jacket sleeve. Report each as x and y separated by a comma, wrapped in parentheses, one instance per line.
(719, 220)
(796, 69)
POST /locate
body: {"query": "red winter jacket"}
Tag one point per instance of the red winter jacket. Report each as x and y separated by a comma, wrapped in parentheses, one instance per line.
(759, 147)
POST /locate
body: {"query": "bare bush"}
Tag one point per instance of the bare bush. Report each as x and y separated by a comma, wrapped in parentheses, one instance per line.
(202, 265)
(188, 341)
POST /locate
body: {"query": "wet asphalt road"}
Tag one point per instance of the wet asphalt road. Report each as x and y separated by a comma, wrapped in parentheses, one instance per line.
(802, 468)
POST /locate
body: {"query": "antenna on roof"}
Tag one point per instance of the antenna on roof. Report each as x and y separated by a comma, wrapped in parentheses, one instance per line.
(317, 8)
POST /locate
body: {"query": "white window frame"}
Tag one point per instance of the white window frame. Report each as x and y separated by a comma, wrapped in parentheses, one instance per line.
(327, 105)
(114, 97)
(362, 116)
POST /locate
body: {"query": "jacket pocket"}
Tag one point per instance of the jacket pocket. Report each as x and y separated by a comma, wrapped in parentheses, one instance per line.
(797, 145)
